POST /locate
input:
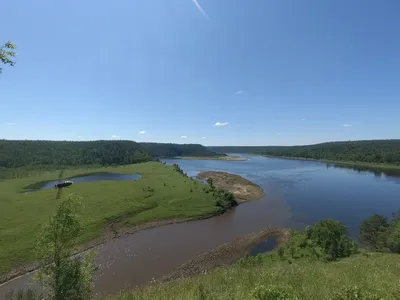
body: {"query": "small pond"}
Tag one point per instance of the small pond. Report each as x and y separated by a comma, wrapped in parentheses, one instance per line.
(84, 178)
(266, 246)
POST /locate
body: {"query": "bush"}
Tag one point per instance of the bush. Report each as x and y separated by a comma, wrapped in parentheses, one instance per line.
(24, 295)
(271, 293)
(372, 231)
(355, 293)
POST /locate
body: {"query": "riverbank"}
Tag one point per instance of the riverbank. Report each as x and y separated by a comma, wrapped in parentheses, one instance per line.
(243, 189)
(227, 253)
(226, 157)
(343, 163)
(126, 222)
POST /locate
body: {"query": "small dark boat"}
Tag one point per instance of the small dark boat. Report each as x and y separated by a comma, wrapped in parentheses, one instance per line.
(62, 184)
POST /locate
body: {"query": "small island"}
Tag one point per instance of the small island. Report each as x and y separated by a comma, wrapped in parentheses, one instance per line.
(242, 188)
(222, 157)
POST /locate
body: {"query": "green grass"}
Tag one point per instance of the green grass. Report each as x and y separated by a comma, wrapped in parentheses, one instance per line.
(161, 193)
(313, 280)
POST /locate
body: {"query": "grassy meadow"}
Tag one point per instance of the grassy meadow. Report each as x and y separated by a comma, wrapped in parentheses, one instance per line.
(305, 280)
(161, 193)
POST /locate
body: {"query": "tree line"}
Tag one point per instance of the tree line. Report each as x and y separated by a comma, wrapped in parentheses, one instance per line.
(45, 154)
(369, 151)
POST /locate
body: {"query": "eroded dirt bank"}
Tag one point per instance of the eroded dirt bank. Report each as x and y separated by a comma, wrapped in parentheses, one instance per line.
(227, 253)
(242, 188)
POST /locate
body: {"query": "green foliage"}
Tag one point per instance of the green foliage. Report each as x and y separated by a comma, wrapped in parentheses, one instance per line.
(223, 199)
(24, 295)
(64, 276)
(355, 293)
(271, 293)
(14, 154)
(380, 234)
(372, 231)
(371, 151)
(331, 236)
(175, 150)
(7, 53)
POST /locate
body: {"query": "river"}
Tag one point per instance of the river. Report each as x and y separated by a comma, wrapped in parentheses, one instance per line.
(298, 193)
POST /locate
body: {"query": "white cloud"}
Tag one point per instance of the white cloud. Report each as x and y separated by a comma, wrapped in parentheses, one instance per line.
(115, 136)
(303, 119)
(203, 137)
(200, 9)
(347, 125)
(10, 124)
(221, 123)
(184, 137)
(278, 133)
(239, 92)
(142, 132)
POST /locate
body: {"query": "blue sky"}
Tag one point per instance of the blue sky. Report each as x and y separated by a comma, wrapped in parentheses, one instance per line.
(268, 72)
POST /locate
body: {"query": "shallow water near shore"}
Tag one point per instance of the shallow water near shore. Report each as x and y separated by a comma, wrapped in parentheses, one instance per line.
(298, 193)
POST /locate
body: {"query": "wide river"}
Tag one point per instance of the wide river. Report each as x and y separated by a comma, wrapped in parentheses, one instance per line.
(298, 193)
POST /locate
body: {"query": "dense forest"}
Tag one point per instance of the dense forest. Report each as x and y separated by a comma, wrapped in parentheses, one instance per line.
(159, 150)
(17, 154)
(372, 151)
(14, 154)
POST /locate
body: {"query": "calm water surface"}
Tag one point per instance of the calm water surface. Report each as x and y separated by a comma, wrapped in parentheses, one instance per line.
(298, 193)
(92, 178)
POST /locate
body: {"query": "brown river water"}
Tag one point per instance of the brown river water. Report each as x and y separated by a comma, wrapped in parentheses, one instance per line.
(298, 193)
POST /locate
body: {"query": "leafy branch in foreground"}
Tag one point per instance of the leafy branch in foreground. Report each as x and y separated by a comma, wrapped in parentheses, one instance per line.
(62, 275)
(7, 52)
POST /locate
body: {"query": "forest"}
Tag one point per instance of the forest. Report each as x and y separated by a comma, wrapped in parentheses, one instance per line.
(368, 151)
(25, 153)
(159, 150)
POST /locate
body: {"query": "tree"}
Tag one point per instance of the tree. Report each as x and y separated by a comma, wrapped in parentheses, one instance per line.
(62, 275)
(372, 231)
(7, 52)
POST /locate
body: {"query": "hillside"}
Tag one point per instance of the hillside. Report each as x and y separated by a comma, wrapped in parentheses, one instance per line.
(160, 150)
(15, 154)
(369, 151)
(300, 279)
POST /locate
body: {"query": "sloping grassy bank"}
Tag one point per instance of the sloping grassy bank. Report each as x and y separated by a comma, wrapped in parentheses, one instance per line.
(304, 279)
(162, 194)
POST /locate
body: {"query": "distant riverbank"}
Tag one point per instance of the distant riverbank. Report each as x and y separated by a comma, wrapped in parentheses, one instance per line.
(226, 157)
(343, 163)
(242, 188)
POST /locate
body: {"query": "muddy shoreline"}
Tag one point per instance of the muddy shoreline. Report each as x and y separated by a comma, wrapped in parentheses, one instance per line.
(243, 189)
(113, 231)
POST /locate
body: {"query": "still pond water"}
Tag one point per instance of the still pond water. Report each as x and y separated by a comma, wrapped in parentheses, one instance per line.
(298, 193)
(92, 178)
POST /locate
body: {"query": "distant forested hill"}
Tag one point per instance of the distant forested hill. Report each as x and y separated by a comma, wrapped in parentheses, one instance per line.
(14, 154)
(372, 151)
(173, 150)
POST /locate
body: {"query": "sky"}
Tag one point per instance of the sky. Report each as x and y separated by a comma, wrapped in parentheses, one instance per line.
(215, 72)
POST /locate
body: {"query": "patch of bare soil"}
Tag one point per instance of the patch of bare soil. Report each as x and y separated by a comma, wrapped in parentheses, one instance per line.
(242, 188)
(226, 254)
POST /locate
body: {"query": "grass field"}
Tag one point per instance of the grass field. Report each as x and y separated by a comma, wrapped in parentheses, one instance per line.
(161, 193)
(316, 280)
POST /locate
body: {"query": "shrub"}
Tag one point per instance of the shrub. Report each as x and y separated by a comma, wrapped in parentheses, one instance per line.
(281, 252)
(355, 293)
(271, 293)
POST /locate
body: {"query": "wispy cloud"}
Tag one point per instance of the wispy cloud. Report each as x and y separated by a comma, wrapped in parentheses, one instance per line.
(115, 136)
(203, 137)
(142, 132)
(183, 136)
(278, 133)
(219, 124)
(239, 92)
(10, 124)
(79, 137)
(201, 9)
(347, 125)
(303, 119)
